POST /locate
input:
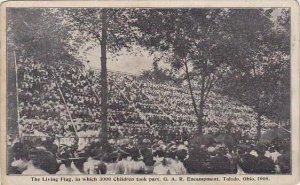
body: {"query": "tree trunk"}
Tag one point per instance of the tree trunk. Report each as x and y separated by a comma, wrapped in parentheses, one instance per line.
(201, 114)
(201, 104)
(258, 126)
(104, 88)
(12, 98)
(199, 117)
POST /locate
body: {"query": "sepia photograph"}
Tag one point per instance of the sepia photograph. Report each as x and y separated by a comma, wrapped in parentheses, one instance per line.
(141, 90)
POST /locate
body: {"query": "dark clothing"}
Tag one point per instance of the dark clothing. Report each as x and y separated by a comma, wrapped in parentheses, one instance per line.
(193, 165)
(196, 162)
(49, 163)
(220, 165)
(147, 156)
(264, 165)
(248, 163)
(284, 163)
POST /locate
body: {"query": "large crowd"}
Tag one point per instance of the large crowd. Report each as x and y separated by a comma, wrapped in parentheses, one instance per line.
(140, 155)
(151, 128)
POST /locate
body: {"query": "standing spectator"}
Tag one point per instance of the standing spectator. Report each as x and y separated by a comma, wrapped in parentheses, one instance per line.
(264, 164)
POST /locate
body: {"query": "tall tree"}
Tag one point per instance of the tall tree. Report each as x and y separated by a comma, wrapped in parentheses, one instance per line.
(35, 33)
(32, 33)
(191, 40)
(258, 65)
(107, 28)
(104, 91)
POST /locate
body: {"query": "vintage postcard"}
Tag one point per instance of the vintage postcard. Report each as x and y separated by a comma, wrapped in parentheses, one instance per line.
(156, 92)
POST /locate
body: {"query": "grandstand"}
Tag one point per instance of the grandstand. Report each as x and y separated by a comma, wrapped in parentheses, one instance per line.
(64, 101)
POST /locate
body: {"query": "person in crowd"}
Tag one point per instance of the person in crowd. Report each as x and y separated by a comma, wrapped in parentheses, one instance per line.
(67, 167)
(124, 165)
(94, 163)
(20, 161)
(147, 156)
(264, 164)
(137, 165)
(274, 154)
(194, 163)
(176, 158)
(49, 163)
(284, 160)
(247, 162)
(92, 166)
(160, 166)
(220, 164)
(36, 160)
(110, 160)
(253, 151)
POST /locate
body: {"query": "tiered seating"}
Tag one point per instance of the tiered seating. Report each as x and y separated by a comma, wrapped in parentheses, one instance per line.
(65, 99)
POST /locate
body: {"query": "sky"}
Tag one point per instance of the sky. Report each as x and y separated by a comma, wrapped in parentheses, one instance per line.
(127, 62)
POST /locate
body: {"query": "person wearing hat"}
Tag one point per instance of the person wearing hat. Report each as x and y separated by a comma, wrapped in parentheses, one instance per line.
(147, 156)
(80, 158)
(94, 164)
(264, 164)
(160, 166)
(220, 163)
(124, 164)
(137, 165)
(20, 159)
(130, 161)
(193, 162)
(110, 160)
(174, 159)
(246, 161)
(65, 155)
(49, 163)
(35, 161)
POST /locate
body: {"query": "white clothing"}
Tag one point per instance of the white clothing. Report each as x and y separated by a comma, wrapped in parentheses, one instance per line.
(32, 170)
(63, 170)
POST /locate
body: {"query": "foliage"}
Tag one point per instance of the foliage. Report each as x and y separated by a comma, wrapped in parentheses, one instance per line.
(219, 49)
(260, 63)
(85, 25)
(223, 47)
(35, 33)
(192, 40)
